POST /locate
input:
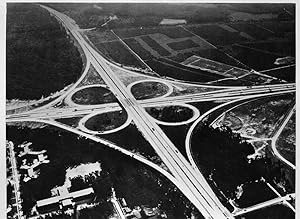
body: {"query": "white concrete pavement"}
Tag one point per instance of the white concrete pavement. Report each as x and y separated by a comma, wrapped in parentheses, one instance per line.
(196, 188)
(265, 204)
(207, 96)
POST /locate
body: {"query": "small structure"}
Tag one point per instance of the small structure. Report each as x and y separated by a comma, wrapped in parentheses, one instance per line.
(285, 61)
(167, 21)
(32, 160)
(65, 200)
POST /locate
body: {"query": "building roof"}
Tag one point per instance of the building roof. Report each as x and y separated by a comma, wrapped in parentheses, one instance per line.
(69, 196)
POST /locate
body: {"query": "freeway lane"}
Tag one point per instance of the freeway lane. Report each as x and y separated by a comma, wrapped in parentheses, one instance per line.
(196, 188)
(257, 91)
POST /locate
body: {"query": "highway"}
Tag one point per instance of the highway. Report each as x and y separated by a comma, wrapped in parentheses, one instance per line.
(193, 185)
(188, 179)
(233, 93)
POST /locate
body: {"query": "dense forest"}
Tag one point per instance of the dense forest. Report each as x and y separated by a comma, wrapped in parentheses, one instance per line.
(222, 155)
(41, 58)
(89, 15)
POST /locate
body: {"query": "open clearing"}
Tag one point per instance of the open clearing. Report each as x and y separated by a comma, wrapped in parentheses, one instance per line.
(106, 121)
(93, 95)
(258, 118)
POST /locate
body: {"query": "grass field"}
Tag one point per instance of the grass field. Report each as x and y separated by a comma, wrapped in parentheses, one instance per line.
(116, 51)
(106, 121)
(207, 64)
(183, 45)
(73, 122)
(92, 77)
(181, 72)
(252, 30)
(148, 90)
(100, 36)
(171, 32)
(212, 54)
(138, 48)
(93, 95)
(170, 113)
(257, 60)
(216, 35)
(155, 46)
(282, 47)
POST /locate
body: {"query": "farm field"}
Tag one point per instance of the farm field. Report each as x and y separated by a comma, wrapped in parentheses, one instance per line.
(138, 48)
(216, 34)
(212, 54)
(252, 30)
(117, 52)
(280, 47)
(167, 69)
(255, 59)
(177, 44)
(171, 32)
(215, 67)
(182, 45)
(100, 36)
(151, 44)
(155, 46)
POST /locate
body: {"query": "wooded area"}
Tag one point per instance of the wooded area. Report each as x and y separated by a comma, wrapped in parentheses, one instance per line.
(41, 58)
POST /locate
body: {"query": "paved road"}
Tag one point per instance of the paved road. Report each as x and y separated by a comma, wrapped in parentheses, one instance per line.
(276, 136)
(16, 179)
(265, 204)
(194, 186)
(189, 181)
(232, 93)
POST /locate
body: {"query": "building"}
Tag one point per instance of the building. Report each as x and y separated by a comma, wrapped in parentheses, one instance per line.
(64, 201)
(31, 161)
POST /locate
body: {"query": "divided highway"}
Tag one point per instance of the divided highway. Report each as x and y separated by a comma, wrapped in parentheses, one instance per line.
(187, 178)
(193, 185)
(232, 93)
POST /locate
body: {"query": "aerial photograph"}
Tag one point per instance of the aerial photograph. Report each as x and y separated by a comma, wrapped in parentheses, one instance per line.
(155, 110)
